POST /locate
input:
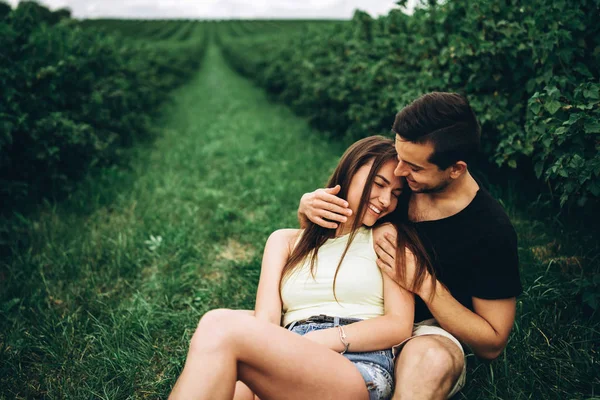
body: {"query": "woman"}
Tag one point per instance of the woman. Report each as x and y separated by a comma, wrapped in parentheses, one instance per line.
(306, 273)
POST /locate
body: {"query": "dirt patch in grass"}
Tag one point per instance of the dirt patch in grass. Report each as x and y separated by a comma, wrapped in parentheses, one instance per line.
(236, 251)
(214, 275)
(545, 252)
(549, 253)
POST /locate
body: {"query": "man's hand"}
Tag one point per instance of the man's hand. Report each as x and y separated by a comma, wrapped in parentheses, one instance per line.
(323, 208)
(386, 261)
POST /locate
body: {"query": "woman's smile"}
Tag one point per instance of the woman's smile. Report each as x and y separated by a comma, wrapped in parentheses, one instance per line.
(374, 210)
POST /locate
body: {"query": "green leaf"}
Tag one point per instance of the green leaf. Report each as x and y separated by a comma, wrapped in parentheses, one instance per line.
(563, 172)
(592, 126)
(563, 199)
(10, 304)
(560, 131)
(539, 168)
(512, 164)
(583, 70)
(547, 141)
(593, 93)
(552, 106)
(553, 91)
(535, 107)
(591, 299)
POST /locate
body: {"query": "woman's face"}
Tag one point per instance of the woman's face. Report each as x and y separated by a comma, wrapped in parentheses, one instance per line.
(385, 190)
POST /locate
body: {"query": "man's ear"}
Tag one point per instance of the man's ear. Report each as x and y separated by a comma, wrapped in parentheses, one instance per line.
(457, 169)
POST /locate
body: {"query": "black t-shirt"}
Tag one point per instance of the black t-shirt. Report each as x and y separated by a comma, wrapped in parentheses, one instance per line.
(474, 253)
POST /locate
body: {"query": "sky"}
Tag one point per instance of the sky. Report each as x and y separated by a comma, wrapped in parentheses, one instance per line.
(221, 9)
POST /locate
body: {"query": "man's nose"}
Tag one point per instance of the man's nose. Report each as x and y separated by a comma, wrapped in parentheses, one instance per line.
(401, 169)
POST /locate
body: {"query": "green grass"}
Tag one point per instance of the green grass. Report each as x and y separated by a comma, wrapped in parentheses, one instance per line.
(92, 307)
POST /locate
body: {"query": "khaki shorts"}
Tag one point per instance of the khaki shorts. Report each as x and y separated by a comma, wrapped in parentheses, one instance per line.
(431, 327)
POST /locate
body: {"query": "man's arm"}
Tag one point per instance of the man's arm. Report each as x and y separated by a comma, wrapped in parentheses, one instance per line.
(323, 208)
(485, 331)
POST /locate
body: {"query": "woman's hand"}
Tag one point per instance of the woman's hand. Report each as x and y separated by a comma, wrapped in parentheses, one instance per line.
(323, 208)
(326, 337)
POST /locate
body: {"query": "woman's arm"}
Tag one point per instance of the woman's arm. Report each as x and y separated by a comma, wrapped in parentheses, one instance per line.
(380, 332)
(376, 333)
(268, 299)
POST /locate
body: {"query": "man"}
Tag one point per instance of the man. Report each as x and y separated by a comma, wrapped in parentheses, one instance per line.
(471, 300)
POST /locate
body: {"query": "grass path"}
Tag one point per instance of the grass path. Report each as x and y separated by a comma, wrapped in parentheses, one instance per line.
(104, 290)
(108, 310)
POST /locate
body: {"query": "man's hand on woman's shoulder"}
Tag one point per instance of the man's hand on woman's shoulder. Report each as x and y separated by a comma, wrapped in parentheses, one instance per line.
(384, 242)
(324, 208)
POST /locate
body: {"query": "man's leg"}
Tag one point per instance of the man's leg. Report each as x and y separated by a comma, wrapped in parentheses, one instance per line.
(428, 367)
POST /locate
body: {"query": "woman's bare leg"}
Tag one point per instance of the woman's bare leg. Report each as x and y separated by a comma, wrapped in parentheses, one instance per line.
(242, 392)
(271, 361)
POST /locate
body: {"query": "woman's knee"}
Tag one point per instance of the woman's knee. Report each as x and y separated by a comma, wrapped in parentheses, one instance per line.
(216, 317)
(436, 357)
(214, 329)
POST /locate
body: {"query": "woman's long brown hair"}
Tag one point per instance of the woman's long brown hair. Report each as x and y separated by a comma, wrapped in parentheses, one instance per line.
(380, 150)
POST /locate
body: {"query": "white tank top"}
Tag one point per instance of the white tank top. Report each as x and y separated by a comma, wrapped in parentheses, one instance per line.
(359, 284)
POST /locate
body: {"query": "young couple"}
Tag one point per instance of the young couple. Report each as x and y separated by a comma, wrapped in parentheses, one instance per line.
(328, 324)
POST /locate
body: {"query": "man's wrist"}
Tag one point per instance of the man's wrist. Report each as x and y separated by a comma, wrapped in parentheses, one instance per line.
(302, 218)
(428, 289)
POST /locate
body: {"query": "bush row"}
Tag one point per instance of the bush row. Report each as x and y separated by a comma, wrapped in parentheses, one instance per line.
(530, 69)
(74, 97)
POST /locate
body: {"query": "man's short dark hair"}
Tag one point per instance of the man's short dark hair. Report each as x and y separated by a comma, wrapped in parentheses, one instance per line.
(445, 120)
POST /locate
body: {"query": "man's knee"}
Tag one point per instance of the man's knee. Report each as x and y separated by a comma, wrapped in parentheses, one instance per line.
(436, 356)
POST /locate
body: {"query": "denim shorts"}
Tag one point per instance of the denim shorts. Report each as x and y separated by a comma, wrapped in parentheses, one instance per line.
(376, 367)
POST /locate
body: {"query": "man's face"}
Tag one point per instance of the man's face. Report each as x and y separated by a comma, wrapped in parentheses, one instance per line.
(421, 175)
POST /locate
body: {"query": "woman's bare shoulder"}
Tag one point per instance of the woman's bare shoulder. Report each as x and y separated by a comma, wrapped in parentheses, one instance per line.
(285, 236)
